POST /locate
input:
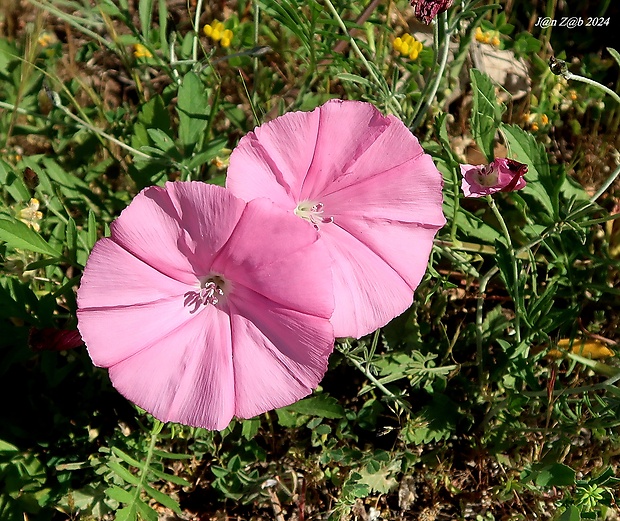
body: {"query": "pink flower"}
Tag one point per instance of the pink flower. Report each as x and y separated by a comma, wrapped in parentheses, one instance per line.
(363, 181)
(204, 307)
(501, 175)
(426, 10)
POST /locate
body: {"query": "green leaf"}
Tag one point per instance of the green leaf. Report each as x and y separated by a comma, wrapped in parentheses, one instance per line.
(18, 235)
(193, 109)
(145, 9)
(379, 478)
(146, 512)
(550, 475)
(177, 480)
(119, 494)
(123, 473)
(71, 235)
(526, 149)
(13, 184)
(126, 514)
(127, 458)
(163, 499)
(570, 514)
(320, 405)
(249, 428)
(486, 113)
(92, 230)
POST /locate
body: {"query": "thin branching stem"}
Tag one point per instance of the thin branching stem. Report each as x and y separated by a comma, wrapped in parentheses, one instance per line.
(444, 36)
(196, 30)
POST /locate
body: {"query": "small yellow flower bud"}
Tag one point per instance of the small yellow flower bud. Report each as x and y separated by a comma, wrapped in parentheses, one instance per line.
(397, 44)
(208, 30)
(495, 41)
(140, 51)
(544, 119)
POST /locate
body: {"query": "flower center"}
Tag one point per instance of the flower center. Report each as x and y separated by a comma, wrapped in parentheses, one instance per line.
(211, 292)
(487, 175)
(312, 212)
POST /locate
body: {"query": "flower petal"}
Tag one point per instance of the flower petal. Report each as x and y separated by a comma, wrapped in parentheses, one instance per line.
(113, 277)
(149, 230)
(208, 212)
(272, 161)
(279, 256)
(346, 130)
(280, 354)
(368, 292)
(405, 247)
(113, 334)
(409, 192)
(185, 377)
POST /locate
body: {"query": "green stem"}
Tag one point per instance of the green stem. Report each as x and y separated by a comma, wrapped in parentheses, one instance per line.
(484, 281)
(443, 34)
(570, 76)
(157, 427)
(359, 53)
(515, 267)
(196, 30)
(55, 98)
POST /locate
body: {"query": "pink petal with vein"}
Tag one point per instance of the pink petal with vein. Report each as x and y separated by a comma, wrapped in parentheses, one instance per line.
(370, 190)
(184, 377)
(148, 307)
(368, 291)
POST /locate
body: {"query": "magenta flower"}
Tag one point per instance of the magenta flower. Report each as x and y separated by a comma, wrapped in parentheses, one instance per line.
(204, 307)
(363, 181)
(501, 175)
(426, 10)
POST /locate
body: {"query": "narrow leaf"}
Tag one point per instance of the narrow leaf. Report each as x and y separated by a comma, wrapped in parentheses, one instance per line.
(18, 235)
(163, 499)
(486, 112)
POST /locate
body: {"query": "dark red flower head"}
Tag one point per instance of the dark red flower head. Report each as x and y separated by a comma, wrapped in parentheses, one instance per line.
(426, 10)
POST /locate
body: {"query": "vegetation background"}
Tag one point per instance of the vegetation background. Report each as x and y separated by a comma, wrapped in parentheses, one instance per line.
(494, 397)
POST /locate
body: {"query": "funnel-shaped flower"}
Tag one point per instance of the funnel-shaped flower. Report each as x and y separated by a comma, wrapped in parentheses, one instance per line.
(204, 307)
(501, 175)
(363, 181)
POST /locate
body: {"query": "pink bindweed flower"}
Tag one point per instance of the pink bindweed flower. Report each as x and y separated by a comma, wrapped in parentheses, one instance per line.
(364, 182)
(204, 307)
(426, 10)
(501, 175)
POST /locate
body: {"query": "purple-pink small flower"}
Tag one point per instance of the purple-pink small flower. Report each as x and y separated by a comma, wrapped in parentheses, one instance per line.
(426, 10)
(501, 175)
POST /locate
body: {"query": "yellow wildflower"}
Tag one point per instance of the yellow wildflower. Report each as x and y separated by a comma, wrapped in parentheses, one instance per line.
(218, 33)
(140, 51)
(407, 45)
(544, 119)
(31, 214)
(490, 37)
(594, 349)
(572, 94)
(46, 39)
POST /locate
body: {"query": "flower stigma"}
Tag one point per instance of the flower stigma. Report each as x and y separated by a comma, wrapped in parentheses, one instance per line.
(313, 213)
(487, 175)
(210, 292)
